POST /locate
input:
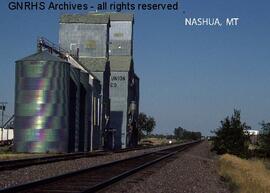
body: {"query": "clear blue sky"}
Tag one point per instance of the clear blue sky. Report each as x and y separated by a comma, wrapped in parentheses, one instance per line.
(190, 76)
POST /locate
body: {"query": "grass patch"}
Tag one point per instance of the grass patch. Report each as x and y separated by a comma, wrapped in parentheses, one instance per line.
(12, 156)
(6, 153)
(245, 176)
(156, 141)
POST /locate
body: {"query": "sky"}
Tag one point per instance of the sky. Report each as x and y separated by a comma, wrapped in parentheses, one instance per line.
(190, 76)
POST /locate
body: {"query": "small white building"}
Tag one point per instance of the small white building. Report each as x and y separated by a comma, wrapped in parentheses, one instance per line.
(6, 134)
(253, 135)
(253, 132)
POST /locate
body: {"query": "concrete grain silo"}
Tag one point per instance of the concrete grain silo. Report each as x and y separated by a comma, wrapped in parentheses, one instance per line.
(41, 104)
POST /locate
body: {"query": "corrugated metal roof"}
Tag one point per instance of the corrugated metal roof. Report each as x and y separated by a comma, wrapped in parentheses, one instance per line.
(42, 56)
(91, 18)
(121, 63)
(94, 64)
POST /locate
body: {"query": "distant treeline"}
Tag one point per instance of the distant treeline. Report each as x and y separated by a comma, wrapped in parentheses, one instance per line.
(161, 136)
(183, 134)
(179, 134)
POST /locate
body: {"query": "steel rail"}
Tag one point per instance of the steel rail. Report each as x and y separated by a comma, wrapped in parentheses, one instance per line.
(20, 163)
(26, 162)
(98, 177)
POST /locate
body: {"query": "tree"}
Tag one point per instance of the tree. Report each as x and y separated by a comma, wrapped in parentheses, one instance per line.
(150, 125)
(232, 137)
(264, 139)
(180, 133)
(146, 124)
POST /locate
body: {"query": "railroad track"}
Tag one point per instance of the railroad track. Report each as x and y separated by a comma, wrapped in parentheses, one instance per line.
(20, 163)
(98, 177)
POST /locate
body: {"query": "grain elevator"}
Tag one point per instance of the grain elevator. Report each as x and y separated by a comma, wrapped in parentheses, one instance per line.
(124, 83)
(82, 95)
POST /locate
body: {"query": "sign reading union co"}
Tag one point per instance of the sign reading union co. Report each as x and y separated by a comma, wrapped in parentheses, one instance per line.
(116, 79)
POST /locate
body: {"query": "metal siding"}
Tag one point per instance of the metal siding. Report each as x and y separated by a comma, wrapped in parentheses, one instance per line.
(121, 38)
(84, 78)
(137, 87)
(95, 125)
(119, 106)
(91, 39)
(100, 110)
(75, 76)
(41, 122)
(39, 146)
(104, 99)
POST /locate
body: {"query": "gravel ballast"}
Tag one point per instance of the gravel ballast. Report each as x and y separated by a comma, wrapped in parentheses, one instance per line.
(191, 171)
(10, 178)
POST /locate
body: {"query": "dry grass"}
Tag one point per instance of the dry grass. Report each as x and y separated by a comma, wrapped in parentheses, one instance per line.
(12, 156)
(246, 176)
(156, 141)
(8, 156)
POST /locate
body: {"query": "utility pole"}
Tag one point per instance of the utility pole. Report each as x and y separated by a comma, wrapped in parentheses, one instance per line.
(2, 108)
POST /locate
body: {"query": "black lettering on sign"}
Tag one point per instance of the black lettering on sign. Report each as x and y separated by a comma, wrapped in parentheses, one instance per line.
(113, 84)
(118, 78)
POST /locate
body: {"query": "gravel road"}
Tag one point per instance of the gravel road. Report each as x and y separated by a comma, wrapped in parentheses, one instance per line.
(192, 171)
